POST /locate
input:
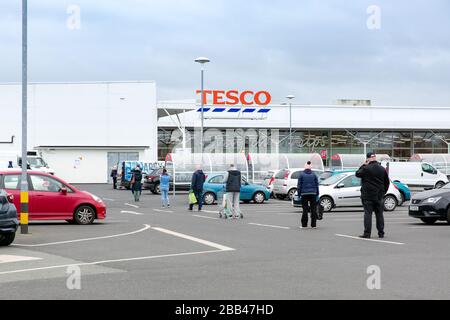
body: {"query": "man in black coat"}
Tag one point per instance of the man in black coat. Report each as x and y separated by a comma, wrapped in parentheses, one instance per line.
(233, 190)
(198, 179)
(374, 185)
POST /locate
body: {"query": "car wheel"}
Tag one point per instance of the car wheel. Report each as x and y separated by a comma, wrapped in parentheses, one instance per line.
(390, 203)
(326, 203)
(7, 238)
(209, 198)
(259, 197)
(429, 221)
(448, 215)
(157, 189)
(84, 215)
(291, 193)
(439, 185)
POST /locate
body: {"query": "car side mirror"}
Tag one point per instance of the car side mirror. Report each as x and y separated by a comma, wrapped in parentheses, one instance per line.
(64, 191)
(340, 185)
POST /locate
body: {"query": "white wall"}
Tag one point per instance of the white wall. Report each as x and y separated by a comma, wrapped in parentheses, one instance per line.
(111, 115)
(82, 114)
(78, 166)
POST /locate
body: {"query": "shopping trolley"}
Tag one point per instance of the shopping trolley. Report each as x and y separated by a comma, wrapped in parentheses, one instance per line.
(224, 212)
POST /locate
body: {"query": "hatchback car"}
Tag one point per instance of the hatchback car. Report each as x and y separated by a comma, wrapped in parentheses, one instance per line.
(344, 190)
(286, 180)
(402, 188)
(51, 198)
(214, 188)
(432, 205)
(8, 219)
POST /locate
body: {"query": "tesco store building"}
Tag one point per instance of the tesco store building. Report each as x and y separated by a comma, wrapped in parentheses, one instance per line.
(83, 129)
(250, 122)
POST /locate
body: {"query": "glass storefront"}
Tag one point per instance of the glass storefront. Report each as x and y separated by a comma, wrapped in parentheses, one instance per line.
(400, 145)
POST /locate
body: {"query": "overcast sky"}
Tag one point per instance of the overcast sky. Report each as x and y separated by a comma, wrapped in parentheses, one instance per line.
(318, 50)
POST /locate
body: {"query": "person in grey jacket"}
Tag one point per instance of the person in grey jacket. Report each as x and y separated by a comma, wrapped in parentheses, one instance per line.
(233, 190)
(308, 189)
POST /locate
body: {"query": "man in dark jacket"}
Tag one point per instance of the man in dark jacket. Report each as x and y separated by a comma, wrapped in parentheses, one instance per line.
(198, 179)
(114, 176)
(374, 185)
(233, 190)
(308, 189)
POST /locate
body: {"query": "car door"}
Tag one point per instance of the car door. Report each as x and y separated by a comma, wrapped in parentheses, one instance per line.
(246, 190)
(11, 184)
(47, 200)
(348, 192)
(428, 175)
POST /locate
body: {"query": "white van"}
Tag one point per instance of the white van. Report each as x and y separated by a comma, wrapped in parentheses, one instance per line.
(14, 160)
(416, 174)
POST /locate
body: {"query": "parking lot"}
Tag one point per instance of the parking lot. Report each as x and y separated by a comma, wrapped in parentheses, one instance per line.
(142, 251)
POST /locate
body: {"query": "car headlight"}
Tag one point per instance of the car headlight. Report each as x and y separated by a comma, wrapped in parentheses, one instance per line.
(98, 199)
(433, 200)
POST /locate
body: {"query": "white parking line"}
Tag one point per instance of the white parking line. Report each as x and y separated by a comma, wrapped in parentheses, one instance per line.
(146, 227)
(362, 218)
(111, 261)
(364, 239)
(132, 205)
(209, 211)
(5, 258)
(160, 210)
(131, 212)
(268, 225)
(198, 240)
(205, 217)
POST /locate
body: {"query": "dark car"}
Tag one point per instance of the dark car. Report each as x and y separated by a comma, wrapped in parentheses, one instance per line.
(152, 181)
(432, 205)
(8, 219)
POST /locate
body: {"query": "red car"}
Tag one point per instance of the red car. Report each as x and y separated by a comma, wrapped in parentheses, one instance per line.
(51, 198)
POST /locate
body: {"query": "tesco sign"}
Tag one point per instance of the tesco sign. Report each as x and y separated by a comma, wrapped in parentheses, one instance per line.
(234, 97)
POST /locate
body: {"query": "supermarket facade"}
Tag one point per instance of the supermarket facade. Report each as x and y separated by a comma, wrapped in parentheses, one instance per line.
(83, 129)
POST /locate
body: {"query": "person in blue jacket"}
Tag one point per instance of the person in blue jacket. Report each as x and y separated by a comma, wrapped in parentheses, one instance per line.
(308, 189)
(164, 182)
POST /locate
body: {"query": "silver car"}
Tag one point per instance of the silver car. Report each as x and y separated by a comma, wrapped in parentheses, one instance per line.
(344, 190)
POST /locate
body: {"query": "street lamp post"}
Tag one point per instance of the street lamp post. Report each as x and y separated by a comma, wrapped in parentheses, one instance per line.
(202, 61)
(290, 97)
(24, 181)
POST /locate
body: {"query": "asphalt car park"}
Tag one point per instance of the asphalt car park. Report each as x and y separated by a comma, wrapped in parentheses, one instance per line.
(142, 251)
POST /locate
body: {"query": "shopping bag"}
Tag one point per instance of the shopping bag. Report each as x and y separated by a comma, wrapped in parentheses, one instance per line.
(192, 198)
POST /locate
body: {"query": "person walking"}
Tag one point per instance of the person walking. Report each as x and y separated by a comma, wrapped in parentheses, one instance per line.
(136, 183)
(198, 179)
(233, 190)
(308, 189)
(114, 176)
(374, 185)
(164, 183)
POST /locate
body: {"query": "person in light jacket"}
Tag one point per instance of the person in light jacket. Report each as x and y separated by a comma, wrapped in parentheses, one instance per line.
(308, 189)
(164, 183)
(233, 190)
